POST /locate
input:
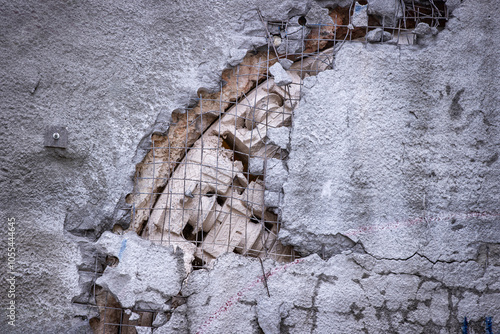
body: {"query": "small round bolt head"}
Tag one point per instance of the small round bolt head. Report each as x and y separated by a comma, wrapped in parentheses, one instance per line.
(56, 136)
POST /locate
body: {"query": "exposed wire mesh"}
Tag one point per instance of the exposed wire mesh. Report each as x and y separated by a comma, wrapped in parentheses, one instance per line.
(208, 186)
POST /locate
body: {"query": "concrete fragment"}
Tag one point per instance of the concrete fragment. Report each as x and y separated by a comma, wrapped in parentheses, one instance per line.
(132, 315)
(269, 315)
(360, 15)
(422, 29)
(279, 136)
(146, 274)
(293, 37)
(272, 199)
(286, 63)
(160, 319)
(237, 56)
(256, 166)
(318, 15)
(276, 174)
(177, 323)
(378, 35)
(388, 11)
(281, 77)
(143, 330)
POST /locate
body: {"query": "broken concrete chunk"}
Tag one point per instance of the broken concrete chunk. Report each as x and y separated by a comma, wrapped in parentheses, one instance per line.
(279, 136)
(276, 174)
(160, 319)
(293, 37)
(389, 11)
(256, 166)
(269, 315)
(281, 78)
(146, 274)
(318, 15)
(177, 324)
(378, 35)
(360, 15)
(237, 56)
(272, 198)
(286, 63)
(132, 315)
(422, 29)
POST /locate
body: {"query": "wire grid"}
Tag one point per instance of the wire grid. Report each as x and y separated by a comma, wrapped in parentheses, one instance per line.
(204, 161)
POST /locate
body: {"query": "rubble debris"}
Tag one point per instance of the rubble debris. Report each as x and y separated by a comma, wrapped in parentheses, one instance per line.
(422, 29)
(256, 166)
(213, 202)
(279, 136)
(132, 316)
(272, 198)
(281, 78)
(237, 56)
(147, 273)
(160, 319)
(378, 35)
(293, 37)
(318, 15)
(388, 11)
(276, 174)
(176, 324)
(286, 63)
(360, 16)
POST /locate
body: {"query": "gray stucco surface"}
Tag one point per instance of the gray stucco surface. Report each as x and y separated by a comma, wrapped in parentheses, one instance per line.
(106, 71)
(397, 124)
(396, 149)
(348, 293)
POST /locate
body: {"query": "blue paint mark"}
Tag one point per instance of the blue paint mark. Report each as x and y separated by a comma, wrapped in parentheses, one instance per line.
(122, 248)
(465, 329)
(358, 7)
(489, 325)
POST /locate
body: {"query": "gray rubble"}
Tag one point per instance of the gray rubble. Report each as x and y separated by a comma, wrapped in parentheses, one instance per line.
(388, 11)
(276, 174)
(378, 35)
(279, 136)
(279, 74)
(147, 274)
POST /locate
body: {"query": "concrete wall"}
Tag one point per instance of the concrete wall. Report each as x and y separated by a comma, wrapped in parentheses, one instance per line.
(109, 71)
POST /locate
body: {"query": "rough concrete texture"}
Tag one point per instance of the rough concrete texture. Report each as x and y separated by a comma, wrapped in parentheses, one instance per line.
(378, 35)
(388, 11)
(276, 174)
(147, 275)
(111, 73)
(395, 151)
(349, 293)
(280, 76)
(279, 136)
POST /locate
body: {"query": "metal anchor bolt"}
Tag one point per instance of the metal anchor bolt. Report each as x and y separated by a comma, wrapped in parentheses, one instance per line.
(56, 136)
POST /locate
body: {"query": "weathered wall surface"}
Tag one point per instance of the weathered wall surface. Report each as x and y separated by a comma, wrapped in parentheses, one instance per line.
(396, 125)
(106, 71)
(348, 293)
(407, 148)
